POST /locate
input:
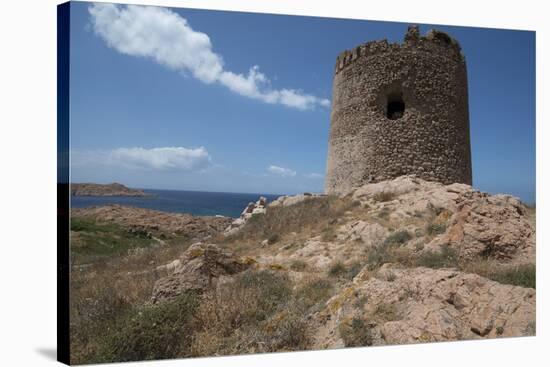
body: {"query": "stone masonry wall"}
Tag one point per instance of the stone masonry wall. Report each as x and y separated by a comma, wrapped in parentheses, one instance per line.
(400, 109)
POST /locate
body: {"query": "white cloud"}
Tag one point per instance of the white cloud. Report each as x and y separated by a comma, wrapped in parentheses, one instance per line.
(314, 175)
(167, 38)
(281, 171)
(154, 159)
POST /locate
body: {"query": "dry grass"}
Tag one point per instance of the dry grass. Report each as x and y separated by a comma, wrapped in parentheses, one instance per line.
(521, 275)
(108, 288)
(313, 215)
(252, 314)
(384, 196)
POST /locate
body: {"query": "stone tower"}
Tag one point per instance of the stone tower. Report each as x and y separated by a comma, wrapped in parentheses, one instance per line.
(400, 109)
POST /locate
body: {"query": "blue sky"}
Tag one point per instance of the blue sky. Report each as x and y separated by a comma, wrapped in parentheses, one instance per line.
(240, 103)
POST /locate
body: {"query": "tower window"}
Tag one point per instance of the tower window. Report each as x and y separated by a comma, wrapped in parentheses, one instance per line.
(395, 107)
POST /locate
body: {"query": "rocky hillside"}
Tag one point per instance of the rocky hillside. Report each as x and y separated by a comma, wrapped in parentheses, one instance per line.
(192, 226)
(113, 189)
(400, 261)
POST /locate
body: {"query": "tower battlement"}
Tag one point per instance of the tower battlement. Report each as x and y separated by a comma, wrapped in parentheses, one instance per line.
(435, 42)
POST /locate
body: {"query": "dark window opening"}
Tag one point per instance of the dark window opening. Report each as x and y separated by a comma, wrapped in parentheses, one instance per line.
(395, 108)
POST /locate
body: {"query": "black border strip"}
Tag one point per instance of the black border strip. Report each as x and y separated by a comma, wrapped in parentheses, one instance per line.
(63, 63)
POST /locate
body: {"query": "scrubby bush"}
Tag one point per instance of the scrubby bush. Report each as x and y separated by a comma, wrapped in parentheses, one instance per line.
(340, 270)
(384, 213)
(255, 313)
(328, 234)
(253, 297)
(398, 237)
(273, 239)
(150, 332)
(356, 333)
(286, 331)
(314, 291)
(434, 229)
(337, 269)
(386, 312)
(446, 258)
(298, 265)
(384, 196)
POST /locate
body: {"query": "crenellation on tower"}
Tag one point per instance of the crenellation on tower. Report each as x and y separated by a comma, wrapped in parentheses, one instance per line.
(436, 42)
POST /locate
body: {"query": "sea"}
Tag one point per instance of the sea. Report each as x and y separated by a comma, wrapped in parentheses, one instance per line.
(176, 201)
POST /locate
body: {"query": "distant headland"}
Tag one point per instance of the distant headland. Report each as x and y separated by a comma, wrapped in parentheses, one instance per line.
(113, 189)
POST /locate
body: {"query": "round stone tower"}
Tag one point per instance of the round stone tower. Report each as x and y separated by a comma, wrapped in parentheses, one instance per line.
(400, 109)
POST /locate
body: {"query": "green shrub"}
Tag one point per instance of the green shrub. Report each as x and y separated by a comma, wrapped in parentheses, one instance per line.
(398, 237)
(337, 269)
(434, 229)
(298, 265)
(150, 332)
(273, 239)
(97, 240)
(356, 333)
(446, 258)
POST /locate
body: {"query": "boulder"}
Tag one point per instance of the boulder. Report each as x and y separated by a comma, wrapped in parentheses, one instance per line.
(286, 200)
(259, 207)
(495, 227)
(474, 223)
(199, 268)
(420, 305)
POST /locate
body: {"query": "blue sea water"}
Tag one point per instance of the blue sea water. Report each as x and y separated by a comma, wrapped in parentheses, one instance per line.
(192, 202)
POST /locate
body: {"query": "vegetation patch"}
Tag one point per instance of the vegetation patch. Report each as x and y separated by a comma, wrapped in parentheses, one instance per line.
(96, 240)
(434, 229)
(398, 238)
(356, 333)
(314, 291)
(520, 275)
(386, 312)
(446, 258)
(312, 214)
(255, 313)
(298, 265)
(328, 234)
(384, 196)
(384, 253)
(150, 332)
(340, 270)
(273, 239)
